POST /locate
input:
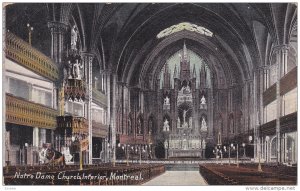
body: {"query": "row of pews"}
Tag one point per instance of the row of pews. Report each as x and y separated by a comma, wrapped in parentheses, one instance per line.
(248, 174)
(101, 174)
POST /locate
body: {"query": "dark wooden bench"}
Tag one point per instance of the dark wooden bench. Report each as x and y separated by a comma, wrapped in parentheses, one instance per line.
(246, 175)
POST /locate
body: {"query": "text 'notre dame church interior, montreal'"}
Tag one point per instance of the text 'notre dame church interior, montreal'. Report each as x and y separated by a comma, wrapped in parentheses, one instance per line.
(139, 93)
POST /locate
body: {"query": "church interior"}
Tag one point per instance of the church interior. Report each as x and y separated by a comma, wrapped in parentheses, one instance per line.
(112, 83)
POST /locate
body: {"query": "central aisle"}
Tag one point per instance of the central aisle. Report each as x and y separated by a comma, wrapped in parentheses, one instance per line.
(178, 178)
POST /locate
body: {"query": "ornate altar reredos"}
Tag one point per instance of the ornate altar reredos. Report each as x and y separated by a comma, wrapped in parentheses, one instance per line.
(189, 121)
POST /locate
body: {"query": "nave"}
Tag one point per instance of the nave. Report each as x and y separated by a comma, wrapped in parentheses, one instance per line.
(178, 178)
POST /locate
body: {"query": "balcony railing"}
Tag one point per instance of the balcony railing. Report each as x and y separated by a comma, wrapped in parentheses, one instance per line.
(22, 112)
(21, 52)
(288, 123)
(99, 129)
(99, 97)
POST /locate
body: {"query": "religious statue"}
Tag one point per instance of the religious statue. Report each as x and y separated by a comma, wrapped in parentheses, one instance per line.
(139, 127)
(166, 125)
(203, 125)
(96, 83)
(166, 144)
(167, 101)
(203, 144)
(178, 122)
(74, 38)
(77, 70)
(188, 89)
(70, 69)
(181, 90)
(150, 127)
(184, 144)
(190, 122)
(203, 101)
(43, 155)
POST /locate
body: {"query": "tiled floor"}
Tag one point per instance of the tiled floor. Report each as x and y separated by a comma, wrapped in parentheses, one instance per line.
(178, 178)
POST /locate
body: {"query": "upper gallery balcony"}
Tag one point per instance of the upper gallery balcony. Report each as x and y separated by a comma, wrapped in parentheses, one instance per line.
(24, 54)
(23, 112)
(99, 97)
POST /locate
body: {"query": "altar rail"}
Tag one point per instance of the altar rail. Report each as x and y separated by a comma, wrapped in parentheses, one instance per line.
(105, 174)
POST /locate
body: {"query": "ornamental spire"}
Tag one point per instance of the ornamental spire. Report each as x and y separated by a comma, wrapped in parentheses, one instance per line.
(185, 53)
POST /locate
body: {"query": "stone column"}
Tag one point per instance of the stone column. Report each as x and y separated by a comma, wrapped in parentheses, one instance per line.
(35, 137)
(260, 98)
(281, 62)
(58, 30)
(107, 92)
(210, 113)
(87, 59)
(195, 116)
(254, 115)
(42, 136)
(245, 102)
(284, 147)
(113, 117)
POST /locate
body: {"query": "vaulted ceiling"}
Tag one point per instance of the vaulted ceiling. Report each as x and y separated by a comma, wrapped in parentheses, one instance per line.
(123, 36)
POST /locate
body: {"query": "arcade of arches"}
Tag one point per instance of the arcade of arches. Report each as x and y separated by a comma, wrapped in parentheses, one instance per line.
(168, 80)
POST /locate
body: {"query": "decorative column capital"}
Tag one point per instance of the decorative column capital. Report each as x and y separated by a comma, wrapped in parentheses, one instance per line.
(57, 27)
(283, 47)
(87, 54)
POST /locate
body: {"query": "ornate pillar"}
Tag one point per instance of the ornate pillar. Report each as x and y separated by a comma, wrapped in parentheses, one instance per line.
(87, 59)
(281, 63)
(42, 136)
(113, 117)
(58, 30)
(245, 107)
(35, 137)
(141, 93)
(210, 114)
(261, 90)
(255, 123)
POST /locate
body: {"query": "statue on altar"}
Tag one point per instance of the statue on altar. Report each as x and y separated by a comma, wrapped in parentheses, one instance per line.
(74, 38)
(70, 70)
(178, 122)
(166, 144)
(188, 89)
(203, 125)
(185, 124)
(203, 144)
(77, 67)
(203, 100)
(166, 125)
(190, 122)
(167, 101)
(139, 125)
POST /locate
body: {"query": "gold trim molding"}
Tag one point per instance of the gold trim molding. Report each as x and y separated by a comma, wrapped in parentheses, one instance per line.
(21, 52)
(23, 112)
